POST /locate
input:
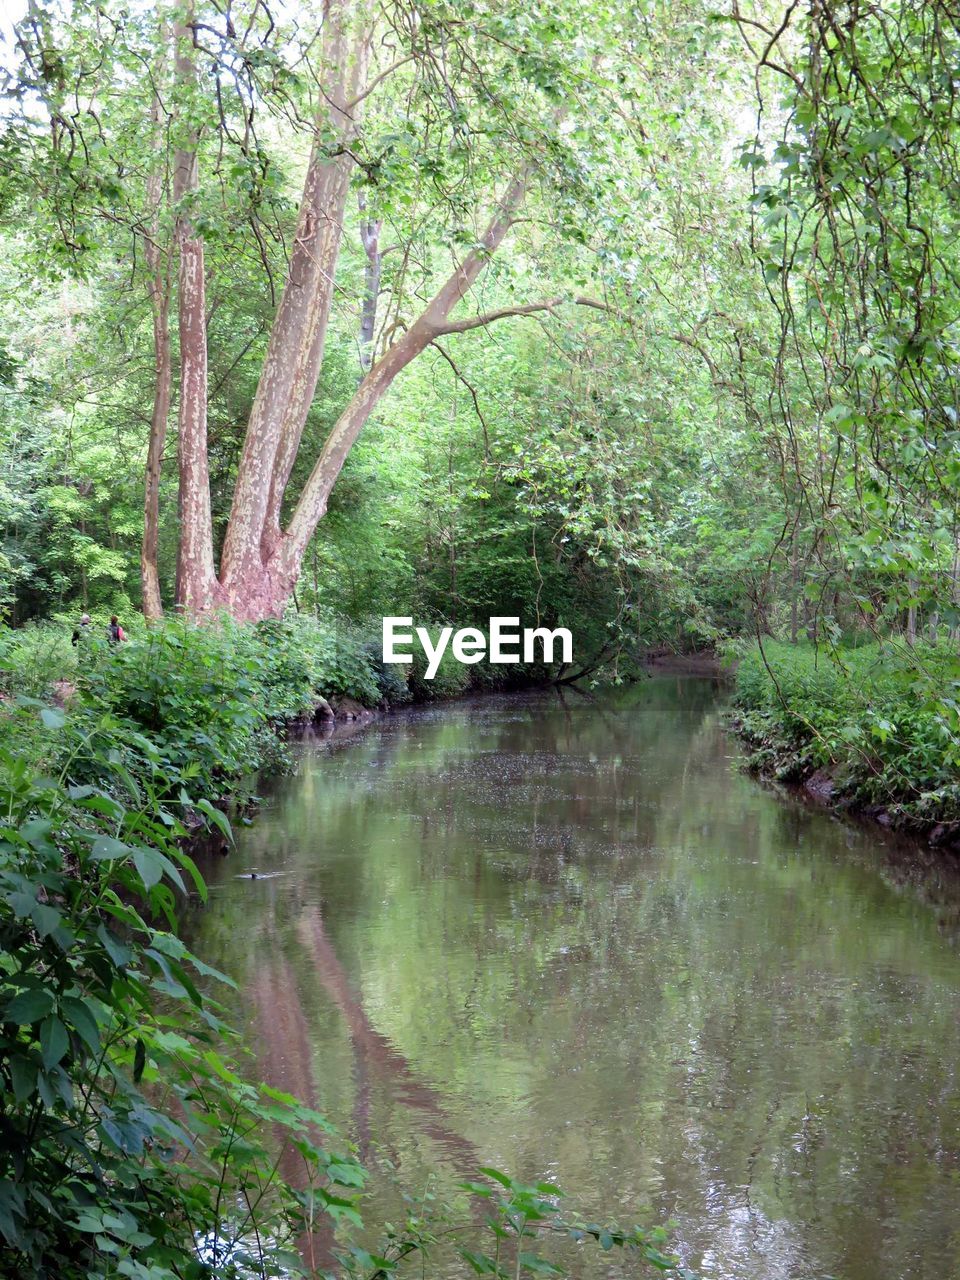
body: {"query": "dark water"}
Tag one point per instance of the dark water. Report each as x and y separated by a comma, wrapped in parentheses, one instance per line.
(571, 940)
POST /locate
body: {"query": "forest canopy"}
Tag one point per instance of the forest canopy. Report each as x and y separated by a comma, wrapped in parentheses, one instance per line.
(636, 324)
(638, 321)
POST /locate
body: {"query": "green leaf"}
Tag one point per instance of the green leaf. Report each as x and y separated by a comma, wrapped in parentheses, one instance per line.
(118, 951)
(11, 1209)
(218, 818)
(29, 1006)
(47, 919)
(481, 1263)
(53, 718)
(23, 1073)
(79, 1014)
(107, 847)
(54, 1041)
(149, 865)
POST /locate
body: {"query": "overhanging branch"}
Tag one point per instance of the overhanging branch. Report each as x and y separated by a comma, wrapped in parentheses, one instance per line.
(525, 309)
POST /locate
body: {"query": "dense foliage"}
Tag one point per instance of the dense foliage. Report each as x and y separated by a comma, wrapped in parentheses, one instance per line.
(699, 389)
(209, 701)
(131, 1145)
(562, 466)
(749, 425)
(874, 719)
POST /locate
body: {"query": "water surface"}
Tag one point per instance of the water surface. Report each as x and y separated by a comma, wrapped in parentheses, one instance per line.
(568, 938)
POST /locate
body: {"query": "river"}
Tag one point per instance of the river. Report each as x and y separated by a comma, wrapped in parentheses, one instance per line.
(569, 938)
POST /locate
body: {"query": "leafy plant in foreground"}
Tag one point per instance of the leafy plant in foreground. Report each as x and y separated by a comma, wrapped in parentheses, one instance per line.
(129, 1142)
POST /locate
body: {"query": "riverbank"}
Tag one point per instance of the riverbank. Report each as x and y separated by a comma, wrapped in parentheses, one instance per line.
(206, 710)
(871, 731)
(704, 662)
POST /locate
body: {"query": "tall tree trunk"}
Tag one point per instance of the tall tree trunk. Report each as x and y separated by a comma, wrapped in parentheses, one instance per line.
(261, 562)
(295, 350)
(284, 566)
(158, 288)
(196, 578)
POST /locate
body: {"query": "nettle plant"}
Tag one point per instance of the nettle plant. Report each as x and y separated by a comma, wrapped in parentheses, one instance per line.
(130, 1144)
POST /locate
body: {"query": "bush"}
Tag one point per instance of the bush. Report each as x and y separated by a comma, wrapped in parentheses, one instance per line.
(338, 658)
(210, 698)
(390, 677)
(34, 658)
(200, 694)
(452, 678)
(129, 1140)
(883, 717)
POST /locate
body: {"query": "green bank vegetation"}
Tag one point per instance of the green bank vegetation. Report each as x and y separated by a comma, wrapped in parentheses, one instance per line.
(134, 1140)
(871, 722)
(317, 314)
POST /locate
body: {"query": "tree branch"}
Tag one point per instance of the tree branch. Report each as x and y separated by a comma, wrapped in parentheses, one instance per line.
(525, 309)
(378, 79)
(473, 394)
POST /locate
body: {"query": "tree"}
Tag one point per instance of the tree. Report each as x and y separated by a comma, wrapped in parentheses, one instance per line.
(261, 558)
(466, 84)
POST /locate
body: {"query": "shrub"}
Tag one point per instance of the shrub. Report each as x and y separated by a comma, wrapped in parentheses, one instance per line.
(34, 658)
(882, 716)
(390, 677)
(129, 1144)
(200, 694)
(450, 681)
(211, 697)
(338, 658)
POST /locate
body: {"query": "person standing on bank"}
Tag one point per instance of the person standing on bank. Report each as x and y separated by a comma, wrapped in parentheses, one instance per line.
(81, 629)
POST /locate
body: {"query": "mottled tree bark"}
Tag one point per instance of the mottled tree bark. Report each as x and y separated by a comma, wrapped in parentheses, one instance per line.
(261, 562)
(196, 578)
(158, 288)
(432, 323)
(295, 349)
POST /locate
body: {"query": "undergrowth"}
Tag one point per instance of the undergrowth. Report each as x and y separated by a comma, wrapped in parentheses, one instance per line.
(884, 719)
